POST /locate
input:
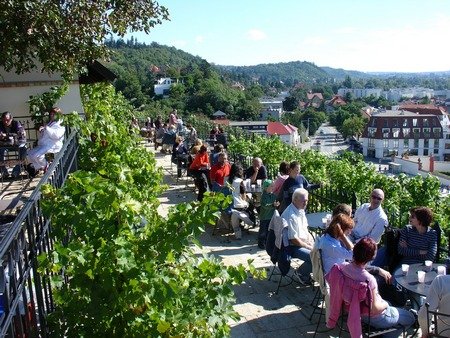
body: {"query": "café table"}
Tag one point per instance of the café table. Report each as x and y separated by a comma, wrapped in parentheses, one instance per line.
(410, 281)
(315, 224)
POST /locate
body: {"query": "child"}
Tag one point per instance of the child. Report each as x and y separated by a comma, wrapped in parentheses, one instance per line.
(268, 205)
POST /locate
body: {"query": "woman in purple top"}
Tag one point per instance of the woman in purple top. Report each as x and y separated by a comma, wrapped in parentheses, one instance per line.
(382, 314)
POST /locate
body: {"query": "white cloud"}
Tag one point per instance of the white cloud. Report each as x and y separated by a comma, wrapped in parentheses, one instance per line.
(199, 39)
(256, 34)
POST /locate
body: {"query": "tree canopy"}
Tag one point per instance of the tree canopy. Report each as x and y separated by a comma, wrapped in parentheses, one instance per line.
(68, 34)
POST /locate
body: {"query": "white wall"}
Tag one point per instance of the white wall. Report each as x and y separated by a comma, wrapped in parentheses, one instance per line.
(14, 99)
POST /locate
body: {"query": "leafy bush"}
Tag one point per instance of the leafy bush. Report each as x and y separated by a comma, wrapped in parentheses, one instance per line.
(120, 269)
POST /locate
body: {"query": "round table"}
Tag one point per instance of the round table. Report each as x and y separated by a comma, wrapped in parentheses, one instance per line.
(315, 224)
(410, 282)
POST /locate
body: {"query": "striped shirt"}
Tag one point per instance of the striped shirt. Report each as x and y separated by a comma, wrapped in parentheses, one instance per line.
(416, 242)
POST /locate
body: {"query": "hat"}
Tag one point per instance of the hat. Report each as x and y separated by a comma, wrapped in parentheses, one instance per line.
(266, 183)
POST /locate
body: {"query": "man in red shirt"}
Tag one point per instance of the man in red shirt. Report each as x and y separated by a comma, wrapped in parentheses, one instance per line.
(219, 171)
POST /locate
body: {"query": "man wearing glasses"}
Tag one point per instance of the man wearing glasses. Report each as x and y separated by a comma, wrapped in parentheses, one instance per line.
(370, 218)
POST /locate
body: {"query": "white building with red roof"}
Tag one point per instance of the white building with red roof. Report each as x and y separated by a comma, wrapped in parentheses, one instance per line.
(287, 133)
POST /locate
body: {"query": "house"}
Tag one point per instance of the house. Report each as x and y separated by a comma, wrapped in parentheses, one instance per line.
(162, 86)
(258, 127)
(399, 132)
(335, 102)
(360, 92)
(271, 108)
(287, 133)
(219, 115)
(314, 100)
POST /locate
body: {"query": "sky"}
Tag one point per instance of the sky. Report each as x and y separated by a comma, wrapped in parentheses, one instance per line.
(363, 35)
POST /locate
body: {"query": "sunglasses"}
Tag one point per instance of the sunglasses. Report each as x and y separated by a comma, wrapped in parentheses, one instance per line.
(376, 198)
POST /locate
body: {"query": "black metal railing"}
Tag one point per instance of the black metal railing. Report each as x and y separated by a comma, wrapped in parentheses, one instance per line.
(25, 294)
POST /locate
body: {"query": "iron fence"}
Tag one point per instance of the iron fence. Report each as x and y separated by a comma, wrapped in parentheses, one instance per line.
(25, 294)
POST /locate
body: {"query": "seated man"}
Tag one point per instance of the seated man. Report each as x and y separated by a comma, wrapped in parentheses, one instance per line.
(51, 141)
(11, 133)
(300, 240)
(257, 171)
(370, 218)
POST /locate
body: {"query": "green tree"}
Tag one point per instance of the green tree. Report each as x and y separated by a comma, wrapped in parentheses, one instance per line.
(353, 126)
(348, 82)
(67, 35)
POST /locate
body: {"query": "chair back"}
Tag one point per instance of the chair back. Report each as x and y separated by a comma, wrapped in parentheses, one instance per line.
(438, 323)
(438, 229)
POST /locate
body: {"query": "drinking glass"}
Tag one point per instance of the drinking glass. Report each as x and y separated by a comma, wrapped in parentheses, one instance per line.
(441, 270)
(421, 276)
(405, 269)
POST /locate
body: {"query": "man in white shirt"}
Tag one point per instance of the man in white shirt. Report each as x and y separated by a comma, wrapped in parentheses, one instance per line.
(439, 299)
(300, 240)
(370, 218)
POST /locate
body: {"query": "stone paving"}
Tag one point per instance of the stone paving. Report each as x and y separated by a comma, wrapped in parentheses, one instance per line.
(263, 313)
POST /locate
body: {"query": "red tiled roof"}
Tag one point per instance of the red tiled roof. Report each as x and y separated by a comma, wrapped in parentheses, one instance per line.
(423, 109)
(279, 129)
(225, 122)
(310, 96)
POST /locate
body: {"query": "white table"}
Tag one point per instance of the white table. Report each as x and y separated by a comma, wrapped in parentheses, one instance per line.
(315, 224)
(410, 282)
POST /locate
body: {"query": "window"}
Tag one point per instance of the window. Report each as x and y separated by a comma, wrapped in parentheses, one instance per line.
(395, 123)
(416, 143)
(426, 143)
(371, 143)
(425, 123)
(436, 150)
(385, 132)
(437, 132)
(371, 131)
(406, 132)
(414, 122)
(385, 123)
(405, 123)
(374, 122)
(395, 132)
(416, 132)
(413, 152)
(385, 144)
(426, 132)
(395, 144)
(406, 143)
(425, 152)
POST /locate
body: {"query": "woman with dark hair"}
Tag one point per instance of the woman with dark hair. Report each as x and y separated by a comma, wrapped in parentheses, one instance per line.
(382, 315)
(418, 242)
(335, 246)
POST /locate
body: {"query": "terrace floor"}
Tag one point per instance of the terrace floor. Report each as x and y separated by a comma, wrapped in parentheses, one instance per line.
(263, 313)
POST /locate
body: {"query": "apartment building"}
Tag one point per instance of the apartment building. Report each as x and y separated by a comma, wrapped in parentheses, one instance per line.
(400, 132)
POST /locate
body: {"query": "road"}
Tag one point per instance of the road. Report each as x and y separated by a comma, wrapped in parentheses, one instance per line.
(326, 140)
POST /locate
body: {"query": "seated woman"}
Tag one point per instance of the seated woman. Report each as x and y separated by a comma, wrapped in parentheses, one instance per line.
(418, 242)
(199, 168)
(240, 208)
(335, 246)
(382, 315)
(51, 141)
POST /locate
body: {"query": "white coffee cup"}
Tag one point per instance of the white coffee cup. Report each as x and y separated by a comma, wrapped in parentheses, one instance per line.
(421, 276)
(428, 265)
(258, 182)
(441, 270)
(405, 269)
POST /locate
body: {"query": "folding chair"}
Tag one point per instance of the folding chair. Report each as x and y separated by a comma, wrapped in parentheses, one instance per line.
(438, 323)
